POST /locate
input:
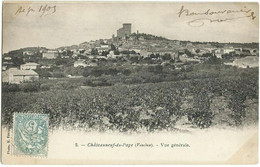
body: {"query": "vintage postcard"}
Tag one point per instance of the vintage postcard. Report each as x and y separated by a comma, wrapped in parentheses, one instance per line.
(129, 82)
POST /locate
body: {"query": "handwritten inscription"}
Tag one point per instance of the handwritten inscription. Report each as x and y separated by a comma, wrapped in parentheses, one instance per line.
(43, 10)
(208, 15)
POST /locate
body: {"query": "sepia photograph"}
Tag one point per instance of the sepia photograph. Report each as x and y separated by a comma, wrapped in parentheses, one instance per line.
(129, 82)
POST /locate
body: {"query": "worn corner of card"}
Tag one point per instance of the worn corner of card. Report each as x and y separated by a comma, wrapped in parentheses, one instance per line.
(30, 134)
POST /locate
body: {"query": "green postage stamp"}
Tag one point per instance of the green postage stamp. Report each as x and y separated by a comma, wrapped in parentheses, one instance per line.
(30, 135)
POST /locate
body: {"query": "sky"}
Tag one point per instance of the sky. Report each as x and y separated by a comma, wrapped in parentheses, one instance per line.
(73, 23)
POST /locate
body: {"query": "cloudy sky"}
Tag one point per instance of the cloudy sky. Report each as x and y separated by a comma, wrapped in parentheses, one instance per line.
(74, 23)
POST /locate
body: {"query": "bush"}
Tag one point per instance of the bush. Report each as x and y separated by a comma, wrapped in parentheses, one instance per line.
(112, 71)
(10, 87)
(155, 69)
(45, 86)
(58, 74)
(30, 87)
(134, 59)
(166, 56)
(201, 119)
(100, 82)
(155, 79)
(97, 72)
(64, 85)
(133, 80)
(43, 73)
(126, 72)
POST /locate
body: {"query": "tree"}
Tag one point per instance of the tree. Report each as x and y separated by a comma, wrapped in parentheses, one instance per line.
(153, 56)
(60, 61)
(197, 51)
(134, 59)
(147, 60)
(166, 56)
(126, 72)
(97, 72)
(69, 53)
(132, 52)
(94, 51)
(81, 51)
(156, 69)
(116, 52)
(43, 73)
(105, 53)
(214, 60)
(207, 55)
(112, 71)
(58, 74)
(188, 53)
(17, 61)
(113, 48)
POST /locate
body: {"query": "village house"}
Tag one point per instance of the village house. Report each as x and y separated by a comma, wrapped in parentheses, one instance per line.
(105, 46)
(238, 51)
(111, 54)
(65, 57)
(16, 76)
(188, 44)
(29, 66)
(8, 58)
(7, 64)
(100, 57)
(228, 50)
(51, 54)
(141, 38)
(45, 67)
(245, 62)
(254, 52)
(30, 53)
(176, 42)
(83, 63)
(74, 55)
(102, 48)
(246, 52)
(80, 63)
(184, 58)
(144, 53)
(4, 67)
(218, 53)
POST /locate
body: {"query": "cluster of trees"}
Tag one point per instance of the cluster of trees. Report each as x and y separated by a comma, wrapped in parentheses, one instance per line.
(18, 57)
(98, 71)
(148, 36)
(165, 56)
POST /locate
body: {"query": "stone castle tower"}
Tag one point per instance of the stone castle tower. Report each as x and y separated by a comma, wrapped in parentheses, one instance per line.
(124, 31)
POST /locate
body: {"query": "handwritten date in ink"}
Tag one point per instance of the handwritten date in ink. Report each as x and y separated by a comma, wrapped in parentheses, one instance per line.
(43, 10)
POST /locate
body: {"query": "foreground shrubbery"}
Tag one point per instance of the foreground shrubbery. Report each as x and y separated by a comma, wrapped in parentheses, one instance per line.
(25, 87)
(30, 87)
(147, 107)
(10, 87)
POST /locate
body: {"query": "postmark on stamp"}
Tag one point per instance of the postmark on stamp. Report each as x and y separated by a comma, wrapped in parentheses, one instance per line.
(30, 135)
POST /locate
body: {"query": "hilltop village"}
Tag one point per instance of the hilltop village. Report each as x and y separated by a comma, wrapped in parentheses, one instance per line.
(134, 82)
(123, 54)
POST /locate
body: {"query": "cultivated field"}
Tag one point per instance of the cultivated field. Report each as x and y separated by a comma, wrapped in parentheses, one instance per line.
(201, 103)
